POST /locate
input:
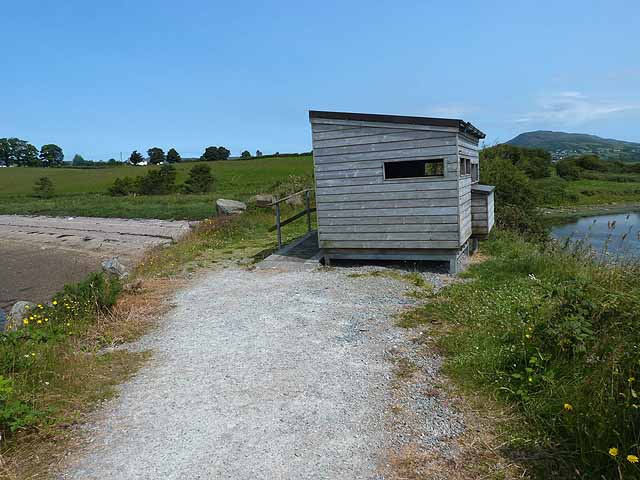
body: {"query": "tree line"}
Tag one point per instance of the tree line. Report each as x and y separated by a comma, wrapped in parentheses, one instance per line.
(14, 151)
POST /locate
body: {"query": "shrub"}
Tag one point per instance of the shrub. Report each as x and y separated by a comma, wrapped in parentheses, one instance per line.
(43, 188)
(158, 182)
(122, 186)
(516, 198)
(200, 180)
(534, 162)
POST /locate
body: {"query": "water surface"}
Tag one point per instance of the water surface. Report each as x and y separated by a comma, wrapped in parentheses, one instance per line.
(614, 235)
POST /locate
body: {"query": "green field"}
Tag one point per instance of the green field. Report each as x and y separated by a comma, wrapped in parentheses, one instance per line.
(83, 191)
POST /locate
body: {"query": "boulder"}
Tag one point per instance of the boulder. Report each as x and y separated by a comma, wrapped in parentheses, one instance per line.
(263, 200)
(3, 320)
(18, 312)
(115, 268)
(229, 207)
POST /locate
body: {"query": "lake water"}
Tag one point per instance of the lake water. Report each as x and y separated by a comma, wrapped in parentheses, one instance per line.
(616, 234)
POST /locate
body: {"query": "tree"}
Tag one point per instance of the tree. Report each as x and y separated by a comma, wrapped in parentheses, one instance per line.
(173, 156)
(14, 151)
(136, 158)
(156, 155)
(158, 182)
(200, 180)
(535, 162)
(43, 188)
(78, 160)
(245, 154)
(215, 153)
(51, 155)
(258, 153)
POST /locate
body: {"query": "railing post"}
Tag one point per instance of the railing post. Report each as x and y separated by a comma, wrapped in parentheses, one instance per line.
(278, 223)
(307, 198)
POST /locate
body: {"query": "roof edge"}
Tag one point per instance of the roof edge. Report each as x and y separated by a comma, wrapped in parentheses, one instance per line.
(464, 127)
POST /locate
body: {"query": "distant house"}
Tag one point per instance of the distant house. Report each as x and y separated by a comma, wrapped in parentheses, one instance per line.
(398, 187)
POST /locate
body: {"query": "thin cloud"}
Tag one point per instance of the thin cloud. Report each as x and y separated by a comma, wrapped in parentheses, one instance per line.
(573, 107)
(451, 111)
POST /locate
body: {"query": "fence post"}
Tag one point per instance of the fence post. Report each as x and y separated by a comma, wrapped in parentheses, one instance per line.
(307, 196)
(278, 223)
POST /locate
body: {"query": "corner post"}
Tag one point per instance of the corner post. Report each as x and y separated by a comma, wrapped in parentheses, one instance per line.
(278, 228)
(308, 203)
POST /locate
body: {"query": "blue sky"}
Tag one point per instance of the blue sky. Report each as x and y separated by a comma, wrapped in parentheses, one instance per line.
(98, 78)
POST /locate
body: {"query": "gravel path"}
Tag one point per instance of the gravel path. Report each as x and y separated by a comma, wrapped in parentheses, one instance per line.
(263, 374)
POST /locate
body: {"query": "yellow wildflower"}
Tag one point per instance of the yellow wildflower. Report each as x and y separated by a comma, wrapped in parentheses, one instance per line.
(568, 407)
(613, 451)
(25, 321)
(55, 302)
(632, 459)
(631, 379)
(39, 321)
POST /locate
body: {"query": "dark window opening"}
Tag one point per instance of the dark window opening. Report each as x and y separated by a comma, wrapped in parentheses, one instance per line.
(475, 173)
(465, 166)
(414, 169)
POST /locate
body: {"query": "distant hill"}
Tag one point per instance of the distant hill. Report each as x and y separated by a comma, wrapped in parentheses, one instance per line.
(561, 145)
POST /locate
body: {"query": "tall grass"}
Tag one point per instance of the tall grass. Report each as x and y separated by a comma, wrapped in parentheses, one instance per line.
(555, 334)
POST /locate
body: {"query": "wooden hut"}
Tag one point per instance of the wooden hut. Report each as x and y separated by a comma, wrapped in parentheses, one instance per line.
(398, 187)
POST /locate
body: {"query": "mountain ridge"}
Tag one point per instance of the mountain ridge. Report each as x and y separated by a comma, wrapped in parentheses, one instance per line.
(564, 144)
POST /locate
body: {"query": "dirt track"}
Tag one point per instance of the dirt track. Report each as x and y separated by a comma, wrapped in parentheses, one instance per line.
(38, 255)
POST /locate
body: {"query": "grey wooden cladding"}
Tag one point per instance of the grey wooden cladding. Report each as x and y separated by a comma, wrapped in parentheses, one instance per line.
(359, 211)
(385, 146)
(481, 213)
(395, 203)
(377, 135)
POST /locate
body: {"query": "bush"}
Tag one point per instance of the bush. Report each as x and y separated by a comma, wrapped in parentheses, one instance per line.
(200, 180)
(516, 198)
(122, 186)
(155, 182)
(43, 188)
(534, 162)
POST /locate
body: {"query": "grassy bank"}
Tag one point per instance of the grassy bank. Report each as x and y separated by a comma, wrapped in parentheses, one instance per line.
(83, 191)
(555, 336)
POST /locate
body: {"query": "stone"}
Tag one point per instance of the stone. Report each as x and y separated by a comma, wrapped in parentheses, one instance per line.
(229, 207)
(3, 320)
(263, 200)
(115, 268)
(18, 312)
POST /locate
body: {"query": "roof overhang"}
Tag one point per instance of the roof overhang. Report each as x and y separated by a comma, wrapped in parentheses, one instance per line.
(461, 125)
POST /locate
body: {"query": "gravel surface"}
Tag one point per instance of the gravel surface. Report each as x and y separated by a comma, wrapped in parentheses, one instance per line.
(267, 374)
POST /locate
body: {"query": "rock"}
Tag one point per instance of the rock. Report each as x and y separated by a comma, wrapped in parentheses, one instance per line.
(18, 312)
(263, 200)
(229, 207)
(3, 320)
(295, 201)
(114, 267)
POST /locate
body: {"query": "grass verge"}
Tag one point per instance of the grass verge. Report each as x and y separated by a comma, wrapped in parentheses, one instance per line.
(552, 336)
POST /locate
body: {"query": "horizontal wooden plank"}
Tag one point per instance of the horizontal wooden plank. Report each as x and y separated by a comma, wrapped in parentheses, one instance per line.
(408, 154)
(468, 139)
(479, 216)
(356, 132)
(402, 195)
(398, 146)
(434, 222)
(394, 203)
(415, 227)
(357, 123)
(406, 183)
(389, 186)
(439, 244)
(391, 236)
(332, 128)
(387, 212)
(362, 172)
(374, 136)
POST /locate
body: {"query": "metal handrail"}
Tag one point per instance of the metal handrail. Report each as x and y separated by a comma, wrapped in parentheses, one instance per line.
(281, 223)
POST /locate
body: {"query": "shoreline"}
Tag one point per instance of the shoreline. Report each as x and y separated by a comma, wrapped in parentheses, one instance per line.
(568, 214)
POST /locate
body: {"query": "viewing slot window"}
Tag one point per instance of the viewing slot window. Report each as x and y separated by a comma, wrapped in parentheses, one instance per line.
(414, 169)
(465, 166)
(475, 173)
